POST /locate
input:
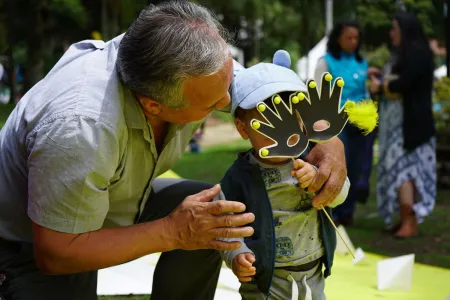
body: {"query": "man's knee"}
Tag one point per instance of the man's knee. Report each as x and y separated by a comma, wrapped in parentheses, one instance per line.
(197, 273)
(167, 194)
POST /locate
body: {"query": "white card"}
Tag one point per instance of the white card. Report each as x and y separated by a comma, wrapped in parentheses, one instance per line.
(340, 246)
(360, 256)
(396, 273)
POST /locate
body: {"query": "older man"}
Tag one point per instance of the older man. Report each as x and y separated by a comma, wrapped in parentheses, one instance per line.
(80, 154)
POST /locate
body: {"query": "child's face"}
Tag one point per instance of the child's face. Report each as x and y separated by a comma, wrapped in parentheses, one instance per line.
(257, 140)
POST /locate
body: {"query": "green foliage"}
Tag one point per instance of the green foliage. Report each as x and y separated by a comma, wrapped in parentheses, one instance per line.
(442, 102)
(375, 17)
(442, 88)
(378, 57)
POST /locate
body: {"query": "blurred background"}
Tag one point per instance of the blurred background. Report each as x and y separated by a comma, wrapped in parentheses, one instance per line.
(35, 34)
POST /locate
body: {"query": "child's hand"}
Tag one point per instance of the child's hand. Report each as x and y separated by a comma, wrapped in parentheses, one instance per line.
(304, 172)
(243, 268)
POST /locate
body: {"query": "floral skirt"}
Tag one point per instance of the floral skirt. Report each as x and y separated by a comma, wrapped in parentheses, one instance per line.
(395, 166)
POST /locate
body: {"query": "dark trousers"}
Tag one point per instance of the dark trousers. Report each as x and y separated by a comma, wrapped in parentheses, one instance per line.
(363, 184)
(355, 144)
(178, 275)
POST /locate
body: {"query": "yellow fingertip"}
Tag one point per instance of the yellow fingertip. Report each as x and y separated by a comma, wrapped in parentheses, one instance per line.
(328, 77)
(340, 83)
(295, 99)
(256, 125)
(301, 96)
(261, 107)
(264, 152)
(277, 100)
(312, 84)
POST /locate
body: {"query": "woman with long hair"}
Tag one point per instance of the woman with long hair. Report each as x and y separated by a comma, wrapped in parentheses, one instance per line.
(407, 165)
(343, 59)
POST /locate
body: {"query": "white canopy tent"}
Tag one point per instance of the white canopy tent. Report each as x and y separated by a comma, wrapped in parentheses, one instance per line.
(237, 54)
(440, 72)
(307, 64)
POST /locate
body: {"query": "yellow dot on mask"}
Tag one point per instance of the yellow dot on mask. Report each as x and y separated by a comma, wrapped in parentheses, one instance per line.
(301, 96)
(261, 107)
(277, 100)
(328, 77)
(340, 83)
(264, 152)
(295, 100)
(312, 84)
(256, 125)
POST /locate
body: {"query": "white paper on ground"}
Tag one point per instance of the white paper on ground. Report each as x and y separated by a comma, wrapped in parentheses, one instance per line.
(395, 273)
(340, 246)
(360, 256)
(136, 277)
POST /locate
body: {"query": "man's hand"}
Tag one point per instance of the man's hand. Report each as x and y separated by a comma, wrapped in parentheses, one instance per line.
(197, 223)
(304, 172)
(243, 266)
(329, 157)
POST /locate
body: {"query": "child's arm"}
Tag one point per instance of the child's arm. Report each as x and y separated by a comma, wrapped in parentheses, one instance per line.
(228, 256)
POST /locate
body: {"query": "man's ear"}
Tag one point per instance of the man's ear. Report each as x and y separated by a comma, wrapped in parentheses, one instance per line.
(241, 128)
(150, 106)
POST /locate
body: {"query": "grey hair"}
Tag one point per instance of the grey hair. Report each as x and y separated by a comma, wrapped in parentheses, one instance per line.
(166, 45)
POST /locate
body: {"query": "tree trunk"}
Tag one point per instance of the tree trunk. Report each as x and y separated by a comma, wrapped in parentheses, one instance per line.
(36, 44)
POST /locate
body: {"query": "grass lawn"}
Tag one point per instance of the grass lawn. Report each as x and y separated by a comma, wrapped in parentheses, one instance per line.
(432, 246)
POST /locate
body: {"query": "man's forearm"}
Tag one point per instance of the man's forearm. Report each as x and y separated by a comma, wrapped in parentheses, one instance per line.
(108, 247)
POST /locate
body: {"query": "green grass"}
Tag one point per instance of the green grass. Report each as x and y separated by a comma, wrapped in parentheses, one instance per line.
(432, 246)
(211, 164)
(5, 110)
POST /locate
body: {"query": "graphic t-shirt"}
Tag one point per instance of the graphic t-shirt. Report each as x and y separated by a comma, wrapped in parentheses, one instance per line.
(297, 227)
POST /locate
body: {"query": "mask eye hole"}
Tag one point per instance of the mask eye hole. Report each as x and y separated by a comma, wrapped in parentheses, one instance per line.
(293, 140)
(321, 125)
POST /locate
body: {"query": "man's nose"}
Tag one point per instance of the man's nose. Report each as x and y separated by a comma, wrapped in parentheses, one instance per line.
(224, 102)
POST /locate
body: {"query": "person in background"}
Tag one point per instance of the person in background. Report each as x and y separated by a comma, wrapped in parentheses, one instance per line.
(194, 143)
(343, 59)
(407, 165)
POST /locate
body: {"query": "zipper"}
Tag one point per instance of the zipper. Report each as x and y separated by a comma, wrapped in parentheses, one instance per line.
(273, 230)
(273, 242)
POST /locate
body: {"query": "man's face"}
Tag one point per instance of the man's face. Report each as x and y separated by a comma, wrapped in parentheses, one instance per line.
(204, 94)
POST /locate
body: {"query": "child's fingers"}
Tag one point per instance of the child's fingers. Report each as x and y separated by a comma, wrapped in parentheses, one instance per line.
(242, 260)
(250, 257)
(305, 184)
(240, 268)
(245, 279)
(308, 176)
(247, 273)
(298, 163)
(300, 172)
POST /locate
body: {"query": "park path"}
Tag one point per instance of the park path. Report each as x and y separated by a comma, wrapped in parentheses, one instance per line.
(218, 131)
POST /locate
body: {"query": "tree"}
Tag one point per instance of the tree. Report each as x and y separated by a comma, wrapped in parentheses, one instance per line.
(375, 18)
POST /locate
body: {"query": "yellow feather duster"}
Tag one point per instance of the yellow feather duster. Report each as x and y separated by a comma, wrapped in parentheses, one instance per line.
(362, 114)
